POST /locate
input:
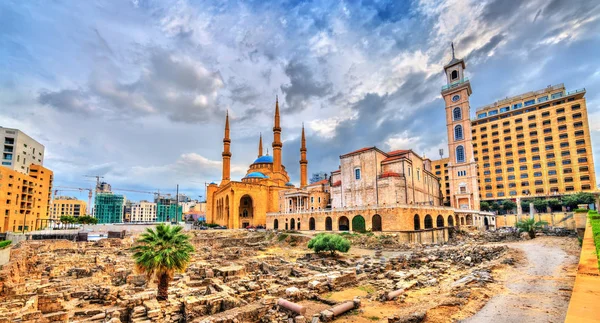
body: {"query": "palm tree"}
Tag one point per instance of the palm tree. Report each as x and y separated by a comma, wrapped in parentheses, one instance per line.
(530, 226)
(161, 253)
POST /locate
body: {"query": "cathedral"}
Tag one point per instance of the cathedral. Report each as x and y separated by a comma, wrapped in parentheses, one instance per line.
(239, 204)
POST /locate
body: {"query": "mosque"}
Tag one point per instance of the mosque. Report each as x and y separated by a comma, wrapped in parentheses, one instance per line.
(239, 204)
(372, 190)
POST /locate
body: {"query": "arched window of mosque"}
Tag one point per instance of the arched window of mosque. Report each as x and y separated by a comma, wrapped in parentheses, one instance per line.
(460, 154)
(454, 75)
(458, 132)
(456, 113)
(357, 173)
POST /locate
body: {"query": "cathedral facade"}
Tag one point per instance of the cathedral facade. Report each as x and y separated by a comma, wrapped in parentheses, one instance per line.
(239, 204)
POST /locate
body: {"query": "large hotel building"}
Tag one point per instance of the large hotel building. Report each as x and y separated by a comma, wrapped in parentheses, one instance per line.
(536, 144)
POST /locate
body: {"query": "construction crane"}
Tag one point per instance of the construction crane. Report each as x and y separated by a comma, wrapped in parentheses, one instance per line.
(64, 188)
(97, 177)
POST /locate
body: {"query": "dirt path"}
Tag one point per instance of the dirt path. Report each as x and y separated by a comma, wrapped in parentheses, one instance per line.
(539, 289)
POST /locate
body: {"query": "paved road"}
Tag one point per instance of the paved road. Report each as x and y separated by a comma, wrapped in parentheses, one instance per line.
(538, 291)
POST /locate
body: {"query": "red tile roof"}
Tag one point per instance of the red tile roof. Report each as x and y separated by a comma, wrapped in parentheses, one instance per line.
(359, 151)
(336, 171)
(325, 181)
(338, 183)
(397, 152)
(394, 158)
(389, 174)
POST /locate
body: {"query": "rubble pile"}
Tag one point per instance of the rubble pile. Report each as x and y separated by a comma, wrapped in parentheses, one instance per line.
(228, 280)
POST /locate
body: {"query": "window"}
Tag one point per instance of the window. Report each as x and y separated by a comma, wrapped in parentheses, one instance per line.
(551, 164)
(523, 167)
(511, 177)
(454, 75)
(537, 174)
(518, 105)
(460, 154)
(357, 173)
(457, 113)
(458, 132)
(529, 102)
(582, 160)
(524, 175)
(575, 107)
(510, 169)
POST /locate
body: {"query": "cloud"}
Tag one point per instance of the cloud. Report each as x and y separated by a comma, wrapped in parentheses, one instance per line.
(302, 87)
(176, 86)
(72, 101)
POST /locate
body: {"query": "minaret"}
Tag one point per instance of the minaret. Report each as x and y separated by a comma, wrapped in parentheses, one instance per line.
(277, 139)
(260, 149)
(226, 153)
(303, 160)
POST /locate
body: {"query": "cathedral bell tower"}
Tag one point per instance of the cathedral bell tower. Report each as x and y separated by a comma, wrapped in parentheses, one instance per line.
(462, 168)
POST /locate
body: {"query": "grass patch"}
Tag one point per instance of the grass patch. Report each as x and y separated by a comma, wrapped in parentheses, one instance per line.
(374, 318)
(282, 237)
(328, 295)
(595, 222)
(5, 243)
(368, 289)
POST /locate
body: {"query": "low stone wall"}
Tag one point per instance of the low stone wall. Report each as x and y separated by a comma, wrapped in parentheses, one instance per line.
(5, 256)
(438, 235)
(583, 306)
(567, 220)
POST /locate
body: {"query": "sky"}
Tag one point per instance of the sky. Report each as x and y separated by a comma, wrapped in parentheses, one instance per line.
(137, 91)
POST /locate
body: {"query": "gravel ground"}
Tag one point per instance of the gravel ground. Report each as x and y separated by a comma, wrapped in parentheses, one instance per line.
(538, 290)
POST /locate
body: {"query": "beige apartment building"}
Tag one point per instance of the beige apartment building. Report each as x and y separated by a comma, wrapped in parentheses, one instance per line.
(536, 144)
(20, 150)
(143, 211)
(64, 205)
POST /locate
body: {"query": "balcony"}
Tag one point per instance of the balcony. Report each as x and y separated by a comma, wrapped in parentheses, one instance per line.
(576, 91)
(455, 84)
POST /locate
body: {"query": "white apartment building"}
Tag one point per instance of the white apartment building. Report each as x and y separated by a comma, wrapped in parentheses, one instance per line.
(143, 211)
(20, 150)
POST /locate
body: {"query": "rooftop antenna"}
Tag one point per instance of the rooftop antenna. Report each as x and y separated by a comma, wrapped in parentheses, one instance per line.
(441, 153)
(452, 45)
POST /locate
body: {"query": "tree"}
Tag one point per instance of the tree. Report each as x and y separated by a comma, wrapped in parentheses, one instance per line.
(530, 226)
(540, 205)
(508, 205)
(329, 242)
(495, 206)
(162, 252)
(525, 205)
(554, 204)
(579, 198)
(86, 219)
(484, 206)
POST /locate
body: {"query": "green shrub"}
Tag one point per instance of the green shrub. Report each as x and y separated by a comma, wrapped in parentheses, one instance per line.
(529, 226)
(5, 243)
(212, 225)
(329, 242)
(595, 223)
(580, 210)
(282, 237)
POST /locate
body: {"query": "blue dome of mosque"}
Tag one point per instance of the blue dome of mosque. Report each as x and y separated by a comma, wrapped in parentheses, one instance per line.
(289, 184)
(256, 175)
(264, 159)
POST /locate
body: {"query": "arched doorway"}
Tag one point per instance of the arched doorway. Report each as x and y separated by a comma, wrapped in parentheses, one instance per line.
(456, 220)
(358, 224)
(227, 212)
(328, 224)
(439, 221)
(293, 224)
(428, 222)
(486, 223)
(311, 224)
(343, 224)
(246, 211)
(450, 221)
(469, 219)
(298, 224)
(462, 221)
(276, 224)
(376, 223)
(417, 222)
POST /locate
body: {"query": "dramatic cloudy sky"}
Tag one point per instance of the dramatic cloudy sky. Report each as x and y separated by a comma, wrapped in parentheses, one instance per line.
(137, 90)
